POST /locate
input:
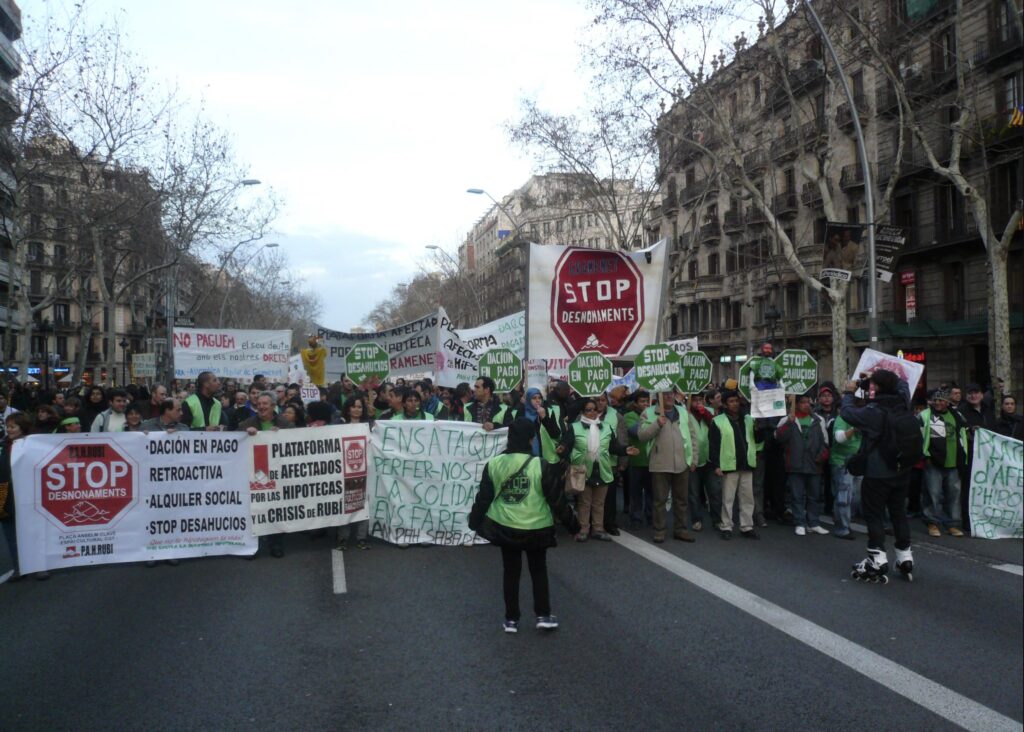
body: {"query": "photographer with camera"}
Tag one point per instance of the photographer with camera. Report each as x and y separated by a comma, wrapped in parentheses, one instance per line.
(891, 445)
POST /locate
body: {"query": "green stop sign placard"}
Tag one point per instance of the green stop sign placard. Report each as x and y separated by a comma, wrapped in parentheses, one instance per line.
(502, 365)
(744, 379)
(657, 367)
(799, 370)
(590, 373)
(696, 374)
(367, 363)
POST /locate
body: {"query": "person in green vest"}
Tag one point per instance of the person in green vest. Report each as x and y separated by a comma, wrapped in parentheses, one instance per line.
(673, 457)
(267, 419)
(591, 442)
(641, 502)
(430, 400)
(519, 498)
(486, 409)
(846, 441)
(945, 451)
(202, 410)
(733, 454)
(703, 480)
(609, 407)
(411, 407)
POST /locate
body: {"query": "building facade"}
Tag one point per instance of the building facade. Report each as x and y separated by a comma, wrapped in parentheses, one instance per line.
(786, 124)
(10, 108)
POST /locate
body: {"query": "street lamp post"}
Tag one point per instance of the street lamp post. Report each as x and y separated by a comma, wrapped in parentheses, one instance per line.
(773, 316)
(124, 360)
(230, 282)
(513, 219)
(44, 328)
(469, 280)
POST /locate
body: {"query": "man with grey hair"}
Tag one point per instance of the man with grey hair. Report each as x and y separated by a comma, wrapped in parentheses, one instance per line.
(169, 419)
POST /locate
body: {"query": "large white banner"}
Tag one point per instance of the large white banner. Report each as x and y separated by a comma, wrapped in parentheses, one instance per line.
(308, 478)
(129, 496)
(583, 299)
(508, 332)
(997, 487)
(871, 361)
(234, 354)
(424, 477)
(427, 346)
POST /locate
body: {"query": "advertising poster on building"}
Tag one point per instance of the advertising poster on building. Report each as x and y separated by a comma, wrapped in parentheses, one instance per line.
(231, 354)
(889, 242)
(130, 497)
(308, 478)
(997, 487)
(508, 332)
(583, 299)
(842, 250)
(423, 479)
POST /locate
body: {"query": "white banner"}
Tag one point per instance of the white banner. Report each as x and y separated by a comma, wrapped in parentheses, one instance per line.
(427, 346)
(872, 360)
(308, 478)
(233, 354)
(593, 299)
(129, 496)
(684, 346)
(508, 332)
(424, 477)
(296, 370)
(144, 365)
(767, 403)
(997, 487)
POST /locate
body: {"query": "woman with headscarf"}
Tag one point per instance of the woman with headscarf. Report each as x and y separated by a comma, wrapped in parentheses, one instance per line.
(545, 444)
(520, 495)
(591, 443)
(95, 403)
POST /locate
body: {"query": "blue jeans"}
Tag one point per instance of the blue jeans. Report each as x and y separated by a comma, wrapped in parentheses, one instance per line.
(942, 486)
(806, 503)
(846, 498)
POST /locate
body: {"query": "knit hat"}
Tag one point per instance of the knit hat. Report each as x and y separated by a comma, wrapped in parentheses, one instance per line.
(730, 385)
(942, 395)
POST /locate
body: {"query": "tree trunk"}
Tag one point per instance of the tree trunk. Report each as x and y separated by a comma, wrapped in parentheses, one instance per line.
(85, 342)
(840, 355)
(999, 318)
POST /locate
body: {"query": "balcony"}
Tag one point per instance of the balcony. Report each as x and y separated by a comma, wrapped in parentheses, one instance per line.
(755, 161)
(685, 240)
(755, 216)
(815, 134)
(734, 221)
(844, 115)
(806, 76)
(886, 101)
(940, 77)
(937, 9)
(851, 177)
(999, 136)
(1003, 44)
(963, 228)
(810, 196)
(786, 204)
(710, 232)
(784, 147)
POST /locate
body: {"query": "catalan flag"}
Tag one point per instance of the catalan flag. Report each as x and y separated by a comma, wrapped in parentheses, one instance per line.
(1017, 116)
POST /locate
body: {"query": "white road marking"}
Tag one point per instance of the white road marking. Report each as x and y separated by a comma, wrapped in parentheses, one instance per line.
(934, 697)
(338, 571)
(1011, 568)
(6, 576)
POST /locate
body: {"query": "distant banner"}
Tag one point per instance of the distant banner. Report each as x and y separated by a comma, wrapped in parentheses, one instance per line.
(583, 299)
(842, 250)
(129, 497)
(233, 354)
(871, 361)
(144, 365)
(684, 346)
(308, 478)
(997, 487)
(889, 242)
(508, 332)
(427, 346)
(423, 479)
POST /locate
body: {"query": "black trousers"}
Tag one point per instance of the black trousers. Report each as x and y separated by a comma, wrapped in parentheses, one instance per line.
(611, 507)
(512, 561)
(878, 494)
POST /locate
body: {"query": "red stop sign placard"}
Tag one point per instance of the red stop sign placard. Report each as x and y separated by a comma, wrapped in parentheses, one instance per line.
(87, 485)
(597, 301)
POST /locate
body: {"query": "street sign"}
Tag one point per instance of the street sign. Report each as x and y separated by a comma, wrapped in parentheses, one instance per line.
(657, 367)
(144, 365)
(799, 370)
(502, 365)
(598, 301)
(696, 372)
(367, 364)
(184, 322)
(590, 374)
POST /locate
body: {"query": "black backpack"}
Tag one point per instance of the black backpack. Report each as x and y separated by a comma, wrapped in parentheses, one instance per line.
(902, 443)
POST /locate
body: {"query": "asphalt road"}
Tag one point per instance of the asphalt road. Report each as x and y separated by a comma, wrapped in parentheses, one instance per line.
(416, 641)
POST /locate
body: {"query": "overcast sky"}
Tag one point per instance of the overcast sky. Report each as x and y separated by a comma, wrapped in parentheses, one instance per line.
(370, 119)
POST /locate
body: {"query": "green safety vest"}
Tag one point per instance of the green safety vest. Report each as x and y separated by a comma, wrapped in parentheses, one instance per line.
(604, 456)
(611, 416)
(520, 504)
(496, 418)
(926, 431)
(651, 415)
(727, 451)
(548, 444)
(840, 452)
(196, 407)
(423, 417)
(703, 443)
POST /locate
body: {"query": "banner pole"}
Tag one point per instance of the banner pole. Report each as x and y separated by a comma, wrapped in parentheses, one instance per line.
(526, 301)
(664, 289)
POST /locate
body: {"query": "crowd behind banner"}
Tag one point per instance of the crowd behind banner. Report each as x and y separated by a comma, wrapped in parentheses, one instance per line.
(421, 467)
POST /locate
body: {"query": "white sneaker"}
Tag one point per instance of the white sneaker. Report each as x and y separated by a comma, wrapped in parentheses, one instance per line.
(801, 531)
(819, 530)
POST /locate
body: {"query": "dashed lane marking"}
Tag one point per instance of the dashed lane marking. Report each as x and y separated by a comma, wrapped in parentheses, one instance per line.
(338, 571)
(934, 697)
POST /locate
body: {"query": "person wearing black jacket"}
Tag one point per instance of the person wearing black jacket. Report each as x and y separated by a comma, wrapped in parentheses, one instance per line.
(884, 486)
(977, 415)
(1009, 423)
(518, 515)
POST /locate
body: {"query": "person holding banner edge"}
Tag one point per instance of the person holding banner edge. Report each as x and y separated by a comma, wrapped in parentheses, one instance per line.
(515, 508)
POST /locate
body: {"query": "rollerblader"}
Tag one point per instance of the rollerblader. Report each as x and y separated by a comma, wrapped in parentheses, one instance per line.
(874, 568)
